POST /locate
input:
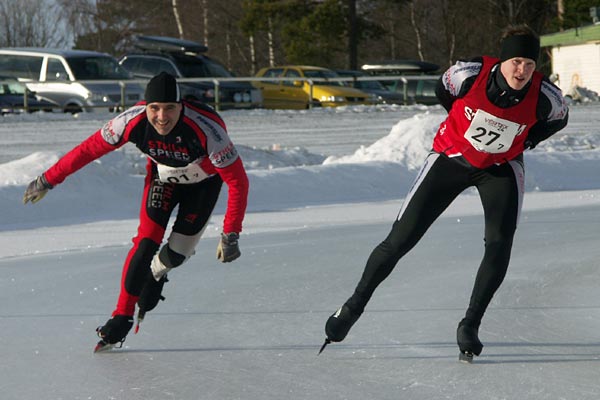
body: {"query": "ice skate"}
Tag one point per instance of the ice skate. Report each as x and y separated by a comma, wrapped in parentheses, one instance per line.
(338, 325)
(113, 333)
(467, 337)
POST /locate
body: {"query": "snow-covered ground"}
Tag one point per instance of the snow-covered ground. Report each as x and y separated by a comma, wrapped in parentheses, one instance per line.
(325, 187)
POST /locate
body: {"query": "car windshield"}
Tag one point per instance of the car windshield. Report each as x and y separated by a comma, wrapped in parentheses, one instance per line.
(315, 73)
(201, 67)
(100, 68)
(11, 88)
(374, 85)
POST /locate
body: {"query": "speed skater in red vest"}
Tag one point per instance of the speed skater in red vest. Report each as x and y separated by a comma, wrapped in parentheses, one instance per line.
(190, 155)
(497, 109)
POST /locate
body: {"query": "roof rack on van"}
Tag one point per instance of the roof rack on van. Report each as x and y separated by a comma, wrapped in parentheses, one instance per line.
(168, 44)
(398, 67)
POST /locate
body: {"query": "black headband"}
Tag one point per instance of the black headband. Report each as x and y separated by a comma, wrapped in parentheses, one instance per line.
(526, 46)
(162, 88)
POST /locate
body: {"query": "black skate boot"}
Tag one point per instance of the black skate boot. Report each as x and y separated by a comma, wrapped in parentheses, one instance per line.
(150, 296)
(468, 340)
(113, 333)
(338, 325)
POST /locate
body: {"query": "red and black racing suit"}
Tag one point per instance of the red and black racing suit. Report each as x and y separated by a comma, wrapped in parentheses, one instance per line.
(469, 150)
(200, 137)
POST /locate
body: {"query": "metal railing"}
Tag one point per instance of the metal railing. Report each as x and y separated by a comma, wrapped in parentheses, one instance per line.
(122, 104)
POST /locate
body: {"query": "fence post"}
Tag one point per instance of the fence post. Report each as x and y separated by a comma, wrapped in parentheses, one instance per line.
(25, 99)
(217, 102)
(310, 94)
(122, 85)
(405, 89)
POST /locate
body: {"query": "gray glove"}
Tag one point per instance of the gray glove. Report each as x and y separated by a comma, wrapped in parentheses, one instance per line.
(36, 190)
(228, 249)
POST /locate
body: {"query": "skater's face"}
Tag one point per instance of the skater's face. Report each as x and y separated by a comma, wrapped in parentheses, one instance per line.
(163, 116)
(517, 71)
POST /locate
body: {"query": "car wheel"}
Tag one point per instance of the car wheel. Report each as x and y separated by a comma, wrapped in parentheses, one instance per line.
(72, 109)
(315, 103)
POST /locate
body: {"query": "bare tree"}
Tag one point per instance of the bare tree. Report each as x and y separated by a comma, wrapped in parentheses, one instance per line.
(352, 35)
(205, 20)
(177, 19)
(80, 15)
(249, 34)
(270, 42)
(449, 19)
(36, 23)
(253, 67)
(417, 29)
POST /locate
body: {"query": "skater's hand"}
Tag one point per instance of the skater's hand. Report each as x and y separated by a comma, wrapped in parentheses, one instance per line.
(228, 248)
(529, 144)
(36, 190)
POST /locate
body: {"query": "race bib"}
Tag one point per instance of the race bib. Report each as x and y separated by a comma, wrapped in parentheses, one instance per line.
(191, 173)
(490, 134)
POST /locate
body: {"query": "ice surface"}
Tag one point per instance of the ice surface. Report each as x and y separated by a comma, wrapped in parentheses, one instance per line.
(326, 186)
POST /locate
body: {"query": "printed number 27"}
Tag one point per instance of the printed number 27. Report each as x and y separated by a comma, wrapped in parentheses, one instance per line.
(484, 132)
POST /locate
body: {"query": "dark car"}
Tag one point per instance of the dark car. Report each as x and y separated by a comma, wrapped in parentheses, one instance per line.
(414, 80)
(382, 94)
(12, 98)
(185, 59)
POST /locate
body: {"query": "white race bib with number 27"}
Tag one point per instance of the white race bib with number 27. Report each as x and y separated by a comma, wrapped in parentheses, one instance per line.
(490, 134)
(191, 173)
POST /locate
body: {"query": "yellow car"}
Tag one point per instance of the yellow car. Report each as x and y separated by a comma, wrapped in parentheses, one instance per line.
(294, 91)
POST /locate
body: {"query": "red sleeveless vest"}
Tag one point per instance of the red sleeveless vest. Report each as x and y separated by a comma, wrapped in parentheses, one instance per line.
(482, 132)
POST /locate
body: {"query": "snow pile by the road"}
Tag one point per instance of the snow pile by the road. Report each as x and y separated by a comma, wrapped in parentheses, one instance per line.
(281, 177)
(407, 144)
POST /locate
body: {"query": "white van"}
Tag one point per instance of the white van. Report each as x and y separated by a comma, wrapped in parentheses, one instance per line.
(78, 80)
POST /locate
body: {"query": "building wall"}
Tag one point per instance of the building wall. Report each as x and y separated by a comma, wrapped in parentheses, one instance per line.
(577, 65)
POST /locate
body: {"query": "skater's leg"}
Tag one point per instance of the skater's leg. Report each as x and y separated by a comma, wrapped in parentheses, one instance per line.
(501, 194)
(195, 208)
(439, 182)
(158, 202)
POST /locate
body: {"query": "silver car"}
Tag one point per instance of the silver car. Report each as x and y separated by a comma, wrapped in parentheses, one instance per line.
(78, 80)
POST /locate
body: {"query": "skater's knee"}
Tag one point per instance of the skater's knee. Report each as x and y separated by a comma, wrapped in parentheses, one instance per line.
(171, 258)
(178, 249)
(498, 245)
(499, 236)
(184, 244)
(166, 260)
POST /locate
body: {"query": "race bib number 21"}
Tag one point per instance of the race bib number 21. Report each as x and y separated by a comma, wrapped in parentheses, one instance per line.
(490, 134)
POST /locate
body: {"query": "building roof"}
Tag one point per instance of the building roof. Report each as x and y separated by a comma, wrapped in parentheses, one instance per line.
(570, 37)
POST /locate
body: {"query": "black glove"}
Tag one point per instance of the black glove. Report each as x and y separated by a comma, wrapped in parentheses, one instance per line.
(228, 249)
(529, 144)
(36, 190)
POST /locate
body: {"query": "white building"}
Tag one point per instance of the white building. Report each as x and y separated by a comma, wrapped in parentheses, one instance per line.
(575, 56)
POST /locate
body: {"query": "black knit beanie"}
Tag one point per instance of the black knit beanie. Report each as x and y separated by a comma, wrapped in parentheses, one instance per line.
(526, 46)
(162, 88)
